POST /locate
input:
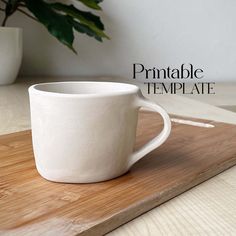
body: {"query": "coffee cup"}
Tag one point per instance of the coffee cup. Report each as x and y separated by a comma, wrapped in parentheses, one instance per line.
(85, 132)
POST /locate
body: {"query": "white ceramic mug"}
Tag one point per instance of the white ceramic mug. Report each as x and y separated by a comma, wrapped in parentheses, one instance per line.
(85, 132)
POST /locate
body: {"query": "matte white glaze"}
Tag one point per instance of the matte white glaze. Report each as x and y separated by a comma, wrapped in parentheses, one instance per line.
(84, 132)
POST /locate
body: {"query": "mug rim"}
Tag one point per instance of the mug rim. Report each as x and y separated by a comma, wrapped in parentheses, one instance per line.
(133, 89)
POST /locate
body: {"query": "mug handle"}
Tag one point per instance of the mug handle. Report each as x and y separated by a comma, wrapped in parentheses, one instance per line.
(159, 139)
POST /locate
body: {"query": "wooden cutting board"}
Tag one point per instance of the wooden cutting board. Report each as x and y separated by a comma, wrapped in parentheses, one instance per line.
(30, 205)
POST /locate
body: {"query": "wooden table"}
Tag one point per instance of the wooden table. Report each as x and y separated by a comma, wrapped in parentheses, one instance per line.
(208, 209)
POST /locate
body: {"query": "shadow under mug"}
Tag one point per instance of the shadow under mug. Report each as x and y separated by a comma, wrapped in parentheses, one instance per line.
(85, 132)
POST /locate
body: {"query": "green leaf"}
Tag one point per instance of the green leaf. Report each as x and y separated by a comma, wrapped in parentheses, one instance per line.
(91, 3)
(84, 29)
(56, 23)
(11, 6)
(85, 18)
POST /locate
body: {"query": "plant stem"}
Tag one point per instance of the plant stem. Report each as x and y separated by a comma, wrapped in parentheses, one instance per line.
(4, 21)
(25, 13)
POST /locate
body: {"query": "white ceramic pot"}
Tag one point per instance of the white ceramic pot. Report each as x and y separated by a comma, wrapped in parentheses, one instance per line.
(10, 54)
(84, 132)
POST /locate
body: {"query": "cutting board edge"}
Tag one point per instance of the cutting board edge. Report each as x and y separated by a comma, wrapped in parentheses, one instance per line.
(128, 214)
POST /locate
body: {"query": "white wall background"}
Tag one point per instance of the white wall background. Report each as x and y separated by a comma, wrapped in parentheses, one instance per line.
(153, 32)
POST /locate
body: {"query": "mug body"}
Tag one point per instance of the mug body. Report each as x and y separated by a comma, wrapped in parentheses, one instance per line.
(83, 131)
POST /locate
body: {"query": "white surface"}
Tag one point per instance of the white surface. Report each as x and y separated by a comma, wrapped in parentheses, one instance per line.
(10, 54)
(78, 126)
(192, 123)
(153, 32)
(225, 95)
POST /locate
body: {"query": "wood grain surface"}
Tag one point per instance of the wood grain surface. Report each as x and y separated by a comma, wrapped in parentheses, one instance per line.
(30, 205)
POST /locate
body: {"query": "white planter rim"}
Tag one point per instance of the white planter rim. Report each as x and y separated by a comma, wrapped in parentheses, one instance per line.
(10, 28)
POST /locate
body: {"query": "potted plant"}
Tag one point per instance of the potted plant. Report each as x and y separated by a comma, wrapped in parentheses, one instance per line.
(61, 20)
